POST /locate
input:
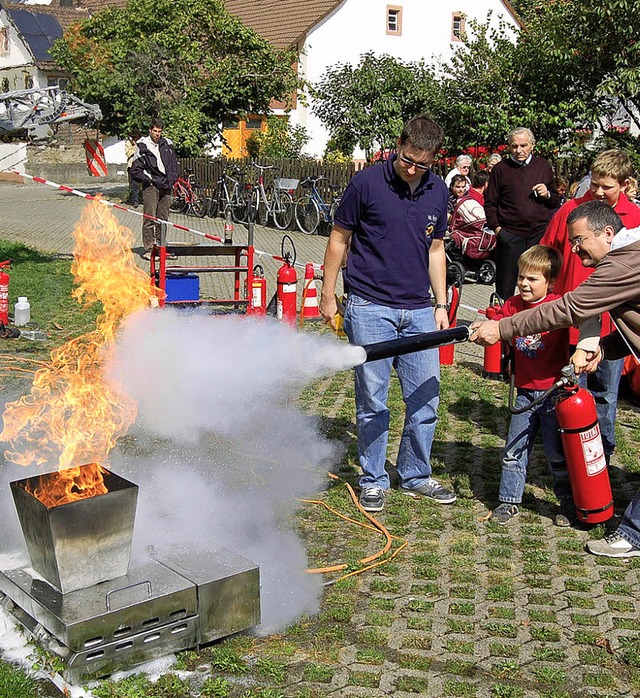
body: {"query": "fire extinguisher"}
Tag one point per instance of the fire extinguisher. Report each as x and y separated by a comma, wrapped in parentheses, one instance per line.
(4, 292)
(582, 444)
(453, 299)
(493, 355)
(257, 292)
(287, 292)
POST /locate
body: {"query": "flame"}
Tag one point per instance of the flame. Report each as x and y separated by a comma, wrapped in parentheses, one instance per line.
(72, 416)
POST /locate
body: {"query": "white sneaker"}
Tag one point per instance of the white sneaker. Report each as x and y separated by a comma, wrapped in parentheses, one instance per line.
(613, 546)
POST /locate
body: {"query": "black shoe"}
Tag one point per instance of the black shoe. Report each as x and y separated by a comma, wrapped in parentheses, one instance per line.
(372, 498)
(504, 512)
(430, 489)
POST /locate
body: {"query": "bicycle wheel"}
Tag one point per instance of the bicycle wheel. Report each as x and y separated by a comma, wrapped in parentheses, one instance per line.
(307, 214)
(239, 207)
(214, 204)
(179, 200)
(198, 204)
(258, 208)
(282, 209)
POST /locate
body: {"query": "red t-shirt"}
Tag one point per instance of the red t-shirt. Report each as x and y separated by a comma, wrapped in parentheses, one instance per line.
(573, 273)
(539, 358)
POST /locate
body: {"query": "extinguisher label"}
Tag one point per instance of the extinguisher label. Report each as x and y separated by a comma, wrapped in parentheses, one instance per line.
(593, 450)
(256, 297)
(289, 288)
(279, 310)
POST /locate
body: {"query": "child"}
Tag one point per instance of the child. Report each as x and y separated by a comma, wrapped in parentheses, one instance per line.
(538, 361)
(457, 189)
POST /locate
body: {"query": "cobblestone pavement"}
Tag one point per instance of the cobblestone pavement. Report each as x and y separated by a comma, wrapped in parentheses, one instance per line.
(469, 608)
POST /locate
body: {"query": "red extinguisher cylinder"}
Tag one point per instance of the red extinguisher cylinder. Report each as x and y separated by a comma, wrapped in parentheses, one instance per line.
(287, 293)
(257, 293)
(453, 298)
(493, 355)
(584, 453)
(4, 294)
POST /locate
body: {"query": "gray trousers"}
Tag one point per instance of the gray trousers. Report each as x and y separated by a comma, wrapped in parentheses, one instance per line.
(155, 202)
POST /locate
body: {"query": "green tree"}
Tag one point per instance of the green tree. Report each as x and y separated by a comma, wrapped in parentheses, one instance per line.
(367, 105)
(280, 140)
(189, 61)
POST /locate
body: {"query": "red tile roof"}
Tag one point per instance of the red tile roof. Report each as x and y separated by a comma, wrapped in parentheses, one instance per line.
(282, 22)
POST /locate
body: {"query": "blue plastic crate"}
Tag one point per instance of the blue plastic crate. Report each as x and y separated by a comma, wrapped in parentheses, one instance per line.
(182, 287)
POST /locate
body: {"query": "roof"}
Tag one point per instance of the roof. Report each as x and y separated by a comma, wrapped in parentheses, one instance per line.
(282, 22)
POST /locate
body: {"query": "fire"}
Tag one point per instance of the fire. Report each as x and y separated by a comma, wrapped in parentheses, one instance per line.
(72, 416)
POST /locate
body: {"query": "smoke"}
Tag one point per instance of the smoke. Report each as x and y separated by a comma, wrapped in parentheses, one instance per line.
(219, 449)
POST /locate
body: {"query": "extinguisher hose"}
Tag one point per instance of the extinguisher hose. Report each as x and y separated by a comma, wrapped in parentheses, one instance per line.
(512, 390)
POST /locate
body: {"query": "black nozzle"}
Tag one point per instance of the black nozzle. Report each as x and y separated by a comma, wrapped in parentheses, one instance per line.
(417, 342)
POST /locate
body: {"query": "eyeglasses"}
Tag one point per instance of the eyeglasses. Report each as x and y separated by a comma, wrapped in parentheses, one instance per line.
(577, 242)
(410, 163)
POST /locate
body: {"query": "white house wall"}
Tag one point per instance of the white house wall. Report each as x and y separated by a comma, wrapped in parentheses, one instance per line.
(359, 26)
(18, 62)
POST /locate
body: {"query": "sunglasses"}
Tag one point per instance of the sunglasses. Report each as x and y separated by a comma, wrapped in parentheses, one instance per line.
(410, 163)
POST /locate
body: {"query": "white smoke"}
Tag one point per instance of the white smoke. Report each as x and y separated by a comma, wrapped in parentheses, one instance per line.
(219, 450)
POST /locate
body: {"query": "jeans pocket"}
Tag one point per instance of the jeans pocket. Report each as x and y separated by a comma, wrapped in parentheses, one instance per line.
(352, 299)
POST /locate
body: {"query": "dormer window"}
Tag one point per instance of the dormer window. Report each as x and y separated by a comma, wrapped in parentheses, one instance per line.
(4, 41)
(394, 20)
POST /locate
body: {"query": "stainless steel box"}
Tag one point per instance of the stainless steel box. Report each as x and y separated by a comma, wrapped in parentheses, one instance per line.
(82, 543)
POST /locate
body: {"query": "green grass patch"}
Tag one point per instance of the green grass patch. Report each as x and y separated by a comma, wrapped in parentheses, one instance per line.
(412, 684)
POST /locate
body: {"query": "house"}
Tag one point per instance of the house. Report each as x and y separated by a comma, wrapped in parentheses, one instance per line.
(326, 32)
(27, 32)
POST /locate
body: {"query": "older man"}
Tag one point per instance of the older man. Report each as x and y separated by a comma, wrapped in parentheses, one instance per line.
(463, 167)
(519, 203)
(394, 217)
(596, 235)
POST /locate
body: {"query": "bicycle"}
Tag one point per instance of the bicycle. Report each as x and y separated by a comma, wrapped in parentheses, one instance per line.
(275, 202)
(188, 196)
(230, 194)
(311, 208)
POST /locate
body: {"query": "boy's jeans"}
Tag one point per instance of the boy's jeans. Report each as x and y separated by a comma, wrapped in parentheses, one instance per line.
(520, 439)
(419, 374)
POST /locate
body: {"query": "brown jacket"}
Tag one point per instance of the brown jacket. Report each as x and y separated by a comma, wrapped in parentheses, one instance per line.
(614, 286)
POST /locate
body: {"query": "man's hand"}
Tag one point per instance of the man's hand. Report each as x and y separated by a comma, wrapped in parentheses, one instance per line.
(485, 333)
(329, 309)
(541, 191)
(586, 361)
(442, 318)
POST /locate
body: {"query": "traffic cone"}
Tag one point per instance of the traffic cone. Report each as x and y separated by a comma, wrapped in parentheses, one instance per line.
(309, 308)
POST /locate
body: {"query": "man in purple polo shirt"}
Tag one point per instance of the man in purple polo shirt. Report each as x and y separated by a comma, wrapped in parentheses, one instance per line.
(394, 217)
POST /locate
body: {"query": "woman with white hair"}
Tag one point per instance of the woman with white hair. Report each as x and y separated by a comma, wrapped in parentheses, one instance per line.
(463, 167)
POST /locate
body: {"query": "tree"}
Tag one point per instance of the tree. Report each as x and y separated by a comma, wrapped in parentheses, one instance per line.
(367, 105)
(280, 140)
(189, 61)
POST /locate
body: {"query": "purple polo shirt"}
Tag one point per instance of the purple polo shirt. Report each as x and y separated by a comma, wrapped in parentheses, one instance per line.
(392, 230)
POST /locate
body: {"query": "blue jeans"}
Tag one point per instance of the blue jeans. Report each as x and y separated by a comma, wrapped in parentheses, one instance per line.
(419, 374)
(603, 385)
(629, 527)
(523, 429)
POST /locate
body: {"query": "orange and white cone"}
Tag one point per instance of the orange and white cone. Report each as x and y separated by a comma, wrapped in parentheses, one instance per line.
(309, 295)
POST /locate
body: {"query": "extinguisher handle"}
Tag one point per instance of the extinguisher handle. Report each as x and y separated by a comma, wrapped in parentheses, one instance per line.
(5, 264)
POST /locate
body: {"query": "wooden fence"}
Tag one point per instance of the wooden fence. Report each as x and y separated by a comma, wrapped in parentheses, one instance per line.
(209, 170)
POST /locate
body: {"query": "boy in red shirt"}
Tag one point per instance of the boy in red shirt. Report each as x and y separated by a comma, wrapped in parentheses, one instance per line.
(538, 361)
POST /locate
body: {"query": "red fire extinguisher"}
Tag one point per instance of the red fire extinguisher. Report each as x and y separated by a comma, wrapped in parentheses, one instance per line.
(582, 445)
(287, 292)
(257, 292)
(4, 292)
(493, 355)
(453, 299)
(584, 453)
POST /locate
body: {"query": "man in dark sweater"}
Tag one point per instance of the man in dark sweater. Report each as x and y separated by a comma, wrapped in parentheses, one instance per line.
(519, 202)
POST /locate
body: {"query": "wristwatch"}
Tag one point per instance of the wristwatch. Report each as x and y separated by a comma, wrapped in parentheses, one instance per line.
(444, 306)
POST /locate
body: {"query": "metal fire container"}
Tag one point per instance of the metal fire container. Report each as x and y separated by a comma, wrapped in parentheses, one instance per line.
(81, 543)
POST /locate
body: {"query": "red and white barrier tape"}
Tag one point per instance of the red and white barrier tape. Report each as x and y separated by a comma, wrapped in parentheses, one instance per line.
(120, 207)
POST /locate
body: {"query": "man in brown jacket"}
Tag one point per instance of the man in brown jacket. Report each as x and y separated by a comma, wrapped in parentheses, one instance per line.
(597, 236)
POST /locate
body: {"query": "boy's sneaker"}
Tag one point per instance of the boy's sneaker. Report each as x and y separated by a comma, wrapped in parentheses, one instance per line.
(567, 516)
(504, 512)
(431, 489)
(613, 546)
(372, 498)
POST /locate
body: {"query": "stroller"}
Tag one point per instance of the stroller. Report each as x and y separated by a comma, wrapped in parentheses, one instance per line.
(469, 246)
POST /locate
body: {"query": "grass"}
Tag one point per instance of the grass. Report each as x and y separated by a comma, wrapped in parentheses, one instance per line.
(469, 608)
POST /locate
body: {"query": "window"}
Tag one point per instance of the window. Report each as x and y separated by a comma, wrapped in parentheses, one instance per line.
(28, 82)
(62, 83)
(5, 84)
(458, 26)
(4, 40)
(254, 122)
(394, 20)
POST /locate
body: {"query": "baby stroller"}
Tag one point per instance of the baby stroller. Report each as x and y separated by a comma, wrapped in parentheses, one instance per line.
(469, 247)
